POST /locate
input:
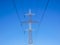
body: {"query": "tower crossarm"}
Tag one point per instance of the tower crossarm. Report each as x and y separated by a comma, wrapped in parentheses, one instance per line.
(27, 22)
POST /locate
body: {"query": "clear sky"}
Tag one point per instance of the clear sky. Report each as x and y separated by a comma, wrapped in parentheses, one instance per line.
(45, 33)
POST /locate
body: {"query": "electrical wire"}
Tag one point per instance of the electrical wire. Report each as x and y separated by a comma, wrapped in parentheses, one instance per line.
(44, 11)
(43, 14)
(14, 4)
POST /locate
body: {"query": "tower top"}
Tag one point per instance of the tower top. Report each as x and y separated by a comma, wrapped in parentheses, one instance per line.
(30, 21)
(29, 13)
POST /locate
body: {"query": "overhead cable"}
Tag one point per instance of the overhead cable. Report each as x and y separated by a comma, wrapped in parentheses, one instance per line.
(44, 11)
(14, 4)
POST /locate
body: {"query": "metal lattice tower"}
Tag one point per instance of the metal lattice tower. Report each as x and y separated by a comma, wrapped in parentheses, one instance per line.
(30, 21)
(30, 41)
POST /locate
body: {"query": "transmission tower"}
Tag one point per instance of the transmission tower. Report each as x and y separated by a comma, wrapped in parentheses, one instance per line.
(30, 22)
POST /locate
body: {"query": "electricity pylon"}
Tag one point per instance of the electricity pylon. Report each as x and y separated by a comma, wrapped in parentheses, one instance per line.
(30, 21)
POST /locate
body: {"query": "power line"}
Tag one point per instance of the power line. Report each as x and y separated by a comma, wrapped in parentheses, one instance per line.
(44, 11)
(14, 4)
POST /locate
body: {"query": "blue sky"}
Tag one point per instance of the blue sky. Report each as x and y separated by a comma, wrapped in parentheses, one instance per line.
(45, 33)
